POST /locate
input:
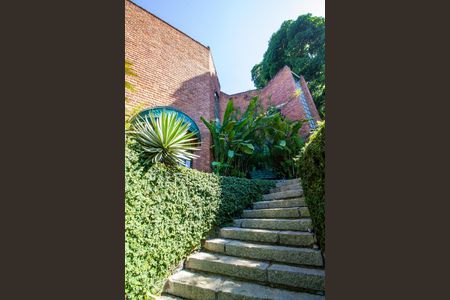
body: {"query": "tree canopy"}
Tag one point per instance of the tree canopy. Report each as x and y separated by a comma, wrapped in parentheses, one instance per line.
(299, 44)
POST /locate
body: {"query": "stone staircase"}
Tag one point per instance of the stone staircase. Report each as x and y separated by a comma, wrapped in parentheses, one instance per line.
(269, 253)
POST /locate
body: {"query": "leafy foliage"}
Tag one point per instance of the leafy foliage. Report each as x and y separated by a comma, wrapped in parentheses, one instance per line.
(299, 44)
(165, 138)
(238, 194)
(312, 173)
(129, 72)
(130, 112)
(231, 139)
(255, 139)
(277, 144)
(168, 210)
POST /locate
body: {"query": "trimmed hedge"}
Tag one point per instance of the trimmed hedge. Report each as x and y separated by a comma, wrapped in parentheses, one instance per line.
(312, 174)
(167, 213)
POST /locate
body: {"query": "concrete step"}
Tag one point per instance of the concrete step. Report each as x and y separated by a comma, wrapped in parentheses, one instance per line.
(168, 297)
(298, 277)
(228, 265)
(289, 238)
(294, 202)
(283, 275)
(287, 182)
(272, 253)
(283, 195)
(294, 186)
(272, 213)
(201, 286)
(275, 224)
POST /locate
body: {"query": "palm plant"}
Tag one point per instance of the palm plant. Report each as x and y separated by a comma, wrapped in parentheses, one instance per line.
(165, 138)
(231, 140)
(257, 139)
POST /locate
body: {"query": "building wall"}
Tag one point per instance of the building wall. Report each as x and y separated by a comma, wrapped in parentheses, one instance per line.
(240, 100)
(175, 70)
(280, 90)
(172, 70)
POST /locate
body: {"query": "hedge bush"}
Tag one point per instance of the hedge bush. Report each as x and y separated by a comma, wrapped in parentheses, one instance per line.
(167, 213)
(312, 174)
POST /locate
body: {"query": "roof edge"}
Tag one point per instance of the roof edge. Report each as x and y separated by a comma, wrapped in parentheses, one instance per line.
(244, 92)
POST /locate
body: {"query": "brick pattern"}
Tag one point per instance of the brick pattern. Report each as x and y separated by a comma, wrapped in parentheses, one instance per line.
(173, 70)
(280, 90)
(240, 100)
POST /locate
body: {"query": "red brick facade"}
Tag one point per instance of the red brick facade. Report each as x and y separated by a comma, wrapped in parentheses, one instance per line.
(280, 90)
(175, 70)
(172, 70)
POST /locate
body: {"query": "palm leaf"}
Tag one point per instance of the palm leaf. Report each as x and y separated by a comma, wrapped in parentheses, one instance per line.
(165, 138)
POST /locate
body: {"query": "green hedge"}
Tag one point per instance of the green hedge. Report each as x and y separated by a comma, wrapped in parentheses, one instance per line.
(167, 213)
(312, 174)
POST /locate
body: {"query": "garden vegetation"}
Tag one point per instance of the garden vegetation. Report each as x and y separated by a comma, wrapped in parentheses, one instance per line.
(165, 138)
(168, 211)
(299, 44)
(256, 139)
(312, 174)
(169, 208)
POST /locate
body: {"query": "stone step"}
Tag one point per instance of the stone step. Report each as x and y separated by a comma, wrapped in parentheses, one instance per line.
(272, 253)
(294, 202)
(275, 224)
(168, 297)
(289, 238)
(228, 265)
(298, 277)
(272, 213)
(283, 195)
(201, 286)
(287, 182)
(294, 277)
(294, 186)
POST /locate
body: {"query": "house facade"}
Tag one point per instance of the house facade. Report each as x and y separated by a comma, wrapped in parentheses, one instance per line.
(174, 70)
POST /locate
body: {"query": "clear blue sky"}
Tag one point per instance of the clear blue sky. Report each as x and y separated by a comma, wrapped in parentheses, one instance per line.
(238, 31)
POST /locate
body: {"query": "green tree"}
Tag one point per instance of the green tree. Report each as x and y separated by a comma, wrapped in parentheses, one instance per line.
(299, 44)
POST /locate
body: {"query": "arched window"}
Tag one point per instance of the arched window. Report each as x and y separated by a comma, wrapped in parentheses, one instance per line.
(192, 125)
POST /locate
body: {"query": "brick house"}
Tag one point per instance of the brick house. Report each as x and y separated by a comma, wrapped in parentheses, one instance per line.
(174, 70)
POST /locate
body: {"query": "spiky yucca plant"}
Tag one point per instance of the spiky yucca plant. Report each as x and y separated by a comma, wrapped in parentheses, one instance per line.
(165, 138)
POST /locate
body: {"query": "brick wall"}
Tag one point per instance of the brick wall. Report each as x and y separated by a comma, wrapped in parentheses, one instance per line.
(240, 100)
(172, 70)
(175, 70)
(280, 90)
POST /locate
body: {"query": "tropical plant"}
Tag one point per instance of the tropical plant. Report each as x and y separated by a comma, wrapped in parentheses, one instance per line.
(299, 44)
(278, 142)
(130, 111)
(232, 139)
(165, 138)
(256, 139)
(168, 211)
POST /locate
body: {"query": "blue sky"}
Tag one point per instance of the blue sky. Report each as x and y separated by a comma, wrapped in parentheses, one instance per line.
(238, 31)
